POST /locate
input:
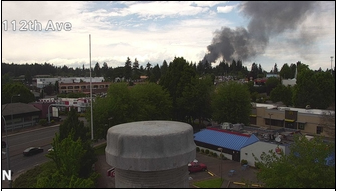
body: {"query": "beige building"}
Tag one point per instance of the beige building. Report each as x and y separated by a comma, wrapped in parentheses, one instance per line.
(97, 87)
(308, 121)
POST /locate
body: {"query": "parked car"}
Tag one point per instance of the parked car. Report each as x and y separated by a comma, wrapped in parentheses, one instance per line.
(196, 167)
(32, 151)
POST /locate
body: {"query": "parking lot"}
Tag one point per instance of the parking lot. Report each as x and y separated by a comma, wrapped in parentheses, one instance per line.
(214, 168)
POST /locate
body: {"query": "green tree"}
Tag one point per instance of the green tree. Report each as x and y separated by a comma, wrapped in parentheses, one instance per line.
(104, 71)
(97, 70)
(68, 156)
(6, 79)
(164, 68)
(56, 180)
(178, 76)
(156, 72)
(15, 88)
(285, 72)
(127, 69)
(135, 64)
(152, 101)
(118, 107)
(254, 71)
(148, 69)
(283, 94)
(231, 103)
(316, 89)
(122, 105)
(326, 84)
(49, 89)
(75, 128)
(306, 166)
(195, 102)
(56, 87)
(271, 83)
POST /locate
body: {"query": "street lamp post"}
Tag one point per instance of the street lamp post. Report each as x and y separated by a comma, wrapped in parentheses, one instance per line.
(331, 64)
(270, 119)
(7, 145)
(221, 156)
(7, 153)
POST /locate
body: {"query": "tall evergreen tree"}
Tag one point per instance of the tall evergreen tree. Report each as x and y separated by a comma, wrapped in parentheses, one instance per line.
(127, 69)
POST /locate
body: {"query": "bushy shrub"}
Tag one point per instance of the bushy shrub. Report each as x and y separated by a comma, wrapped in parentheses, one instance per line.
(243, 162)
(43, 122)
(207, 151)
(197, 149)
(215, 155)
(211, 153)
(202, 151)
(257, 165)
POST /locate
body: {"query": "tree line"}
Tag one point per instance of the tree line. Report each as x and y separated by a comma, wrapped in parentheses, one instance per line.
(130, 71)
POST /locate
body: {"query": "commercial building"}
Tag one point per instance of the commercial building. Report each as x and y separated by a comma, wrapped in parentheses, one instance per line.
(231, 143)
(19, 115)
(42, 82)
(307, 121)
(97, 87)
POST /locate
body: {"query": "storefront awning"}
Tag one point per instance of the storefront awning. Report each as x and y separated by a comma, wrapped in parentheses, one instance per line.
(289, 120)
(253, 115)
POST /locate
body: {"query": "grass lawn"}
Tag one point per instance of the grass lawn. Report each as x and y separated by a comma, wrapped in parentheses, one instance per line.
(211, 183)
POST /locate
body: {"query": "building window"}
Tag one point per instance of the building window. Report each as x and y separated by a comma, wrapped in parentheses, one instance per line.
(290, 125)
(319, 129)
(301, 126)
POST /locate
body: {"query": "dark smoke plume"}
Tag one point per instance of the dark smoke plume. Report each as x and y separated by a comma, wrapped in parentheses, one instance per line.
(267, 19)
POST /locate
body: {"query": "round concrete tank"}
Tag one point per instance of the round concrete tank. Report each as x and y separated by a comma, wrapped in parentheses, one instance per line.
(151, 154)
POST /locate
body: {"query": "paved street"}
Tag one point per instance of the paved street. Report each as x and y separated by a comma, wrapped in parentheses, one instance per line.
(43, 137)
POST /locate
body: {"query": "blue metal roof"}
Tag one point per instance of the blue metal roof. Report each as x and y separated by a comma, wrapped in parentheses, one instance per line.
(224, 139)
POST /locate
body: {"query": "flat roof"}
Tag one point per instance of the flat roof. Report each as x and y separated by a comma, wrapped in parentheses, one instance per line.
(300, 110)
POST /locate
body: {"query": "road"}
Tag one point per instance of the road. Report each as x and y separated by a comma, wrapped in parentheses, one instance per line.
(18, 142)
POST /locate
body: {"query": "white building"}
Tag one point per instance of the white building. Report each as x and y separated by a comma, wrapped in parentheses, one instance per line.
(42, 82)
(78, 103)
(256, 149)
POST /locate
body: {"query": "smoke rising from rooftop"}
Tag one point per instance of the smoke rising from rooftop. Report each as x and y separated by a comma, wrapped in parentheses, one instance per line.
(267, 20)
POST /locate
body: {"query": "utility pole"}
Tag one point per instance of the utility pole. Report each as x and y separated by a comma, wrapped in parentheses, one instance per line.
(7, 145)
(331, 64)
(91, 92)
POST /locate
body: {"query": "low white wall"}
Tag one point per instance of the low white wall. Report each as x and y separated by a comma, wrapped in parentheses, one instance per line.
(257, 149)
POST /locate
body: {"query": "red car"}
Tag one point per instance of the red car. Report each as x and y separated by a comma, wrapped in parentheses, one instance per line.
(196, 167)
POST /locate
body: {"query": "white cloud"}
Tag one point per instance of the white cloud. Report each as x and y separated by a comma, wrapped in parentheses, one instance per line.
(208, 3)
(176, 29)
(225, 9)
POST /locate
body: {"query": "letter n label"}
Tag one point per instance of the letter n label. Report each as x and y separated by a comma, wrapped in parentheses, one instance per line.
(6, 175)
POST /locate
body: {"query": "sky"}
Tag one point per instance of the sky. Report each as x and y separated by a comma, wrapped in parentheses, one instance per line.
(266, 33)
